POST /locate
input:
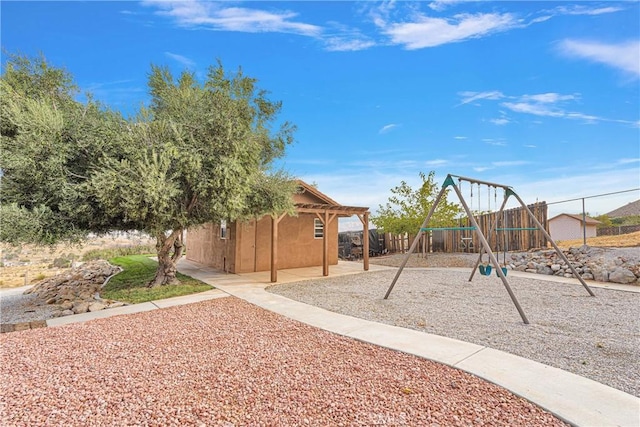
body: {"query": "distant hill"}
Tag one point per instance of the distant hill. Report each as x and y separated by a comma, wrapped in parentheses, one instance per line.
(629, 209)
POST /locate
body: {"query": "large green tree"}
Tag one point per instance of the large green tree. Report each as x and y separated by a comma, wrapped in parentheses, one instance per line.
(201, 152)
(49, 145)
(407, 208)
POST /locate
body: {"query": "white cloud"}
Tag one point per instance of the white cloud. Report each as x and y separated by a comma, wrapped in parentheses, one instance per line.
(535, 109)
(181, 59)
(530, 146)
(425, 31)
(547, 110)
(623, 56)
(440, 5)
(342, 44)
(500, 122)
(468, 97)
(338, 37)
(495, 142)
(549, 97)
(548, 104)
(540, 19)
(436, 162)
(584, 10)
(215, 16)
(460, 137)
(544, 104)
(586, 117)
(387, 128)
(481, 168)
(627, 161)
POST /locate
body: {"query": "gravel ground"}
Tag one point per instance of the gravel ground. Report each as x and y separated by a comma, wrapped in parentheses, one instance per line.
(598, 338)
(228, 363)
(17, 308)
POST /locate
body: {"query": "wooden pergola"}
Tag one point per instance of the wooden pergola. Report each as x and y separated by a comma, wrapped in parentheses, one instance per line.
(326, 213)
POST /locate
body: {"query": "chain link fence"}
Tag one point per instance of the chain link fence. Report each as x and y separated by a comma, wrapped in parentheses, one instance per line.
(617, 231)
(583, 209)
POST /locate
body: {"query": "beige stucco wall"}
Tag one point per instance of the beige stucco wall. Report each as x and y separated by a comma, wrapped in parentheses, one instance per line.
(205, 246)
(297, 246)
(564, 227)
(248, 247)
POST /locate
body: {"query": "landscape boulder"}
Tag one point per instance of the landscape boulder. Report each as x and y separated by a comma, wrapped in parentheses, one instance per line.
(622, 275)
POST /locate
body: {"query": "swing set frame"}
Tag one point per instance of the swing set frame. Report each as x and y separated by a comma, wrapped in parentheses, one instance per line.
(486, 248)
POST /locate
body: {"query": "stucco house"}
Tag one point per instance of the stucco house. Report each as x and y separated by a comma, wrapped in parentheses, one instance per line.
(270, 243)
(569, 227)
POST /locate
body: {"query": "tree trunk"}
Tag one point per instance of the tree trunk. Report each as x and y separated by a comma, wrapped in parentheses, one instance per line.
(178, 247)
(166, 272)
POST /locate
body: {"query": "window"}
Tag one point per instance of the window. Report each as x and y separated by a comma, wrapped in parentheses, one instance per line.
(318, 229)
(223, 229)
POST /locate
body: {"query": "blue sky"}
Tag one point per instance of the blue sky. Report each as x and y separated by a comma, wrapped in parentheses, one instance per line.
(542, 96)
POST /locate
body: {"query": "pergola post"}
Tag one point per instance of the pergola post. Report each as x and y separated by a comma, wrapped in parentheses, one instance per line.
(325, 244)
(274, 247)
(364, 218)
(326, 220)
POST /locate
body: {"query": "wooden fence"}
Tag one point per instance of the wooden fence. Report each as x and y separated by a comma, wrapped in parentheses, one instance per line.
(516, 238)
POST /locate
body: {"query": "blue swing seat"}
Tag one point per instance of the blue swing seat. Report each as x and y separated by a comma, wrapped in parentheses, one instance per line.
(485, 270)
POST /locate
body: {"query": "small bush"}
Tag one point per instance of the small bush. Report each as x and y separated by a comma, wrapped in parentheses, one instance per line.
(39, 277)
(9, 255)
(61, 263)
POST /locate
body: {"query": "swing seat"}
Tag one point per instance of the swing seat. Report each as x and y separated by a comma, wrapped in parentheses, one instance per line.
(504, 271)
(485, 270)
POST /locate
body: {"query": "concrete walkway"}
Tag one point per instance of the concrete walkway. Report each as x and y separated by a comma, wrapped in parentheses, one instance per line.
(575, 399)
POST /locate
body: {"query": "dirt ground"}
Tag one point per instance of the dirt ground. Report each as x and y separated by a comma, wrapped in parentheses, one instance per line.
(622, 241)
(26, 264)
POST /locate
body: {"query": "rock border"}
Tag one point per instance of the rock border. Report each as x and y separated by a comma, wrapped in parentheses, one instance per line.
(591, 263)
(72, 292)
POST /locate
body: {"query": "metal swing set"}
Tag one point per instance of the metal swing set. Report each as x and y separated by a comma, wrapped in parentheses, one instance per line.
(484, 269)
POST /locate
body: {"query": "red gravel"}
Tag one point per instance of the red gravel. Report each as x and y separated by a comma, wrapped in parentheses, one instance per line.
(226, 362)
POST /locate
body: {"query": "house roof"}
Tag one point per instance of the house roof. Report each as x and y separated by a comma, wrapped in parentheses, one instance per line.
(629, 209)
(312, 200)
(589, 220)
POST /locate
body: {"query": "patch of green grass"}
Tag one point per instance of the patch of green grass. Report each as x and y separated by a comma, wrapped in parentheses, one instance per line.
(118, 252)
(138, 270)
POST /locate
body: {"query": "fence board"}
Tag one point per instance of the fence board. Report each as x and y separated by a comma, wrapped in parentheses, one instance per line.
(509, 240)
